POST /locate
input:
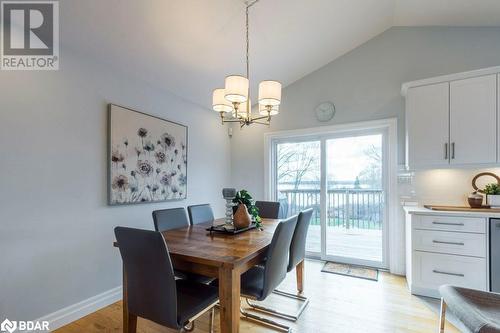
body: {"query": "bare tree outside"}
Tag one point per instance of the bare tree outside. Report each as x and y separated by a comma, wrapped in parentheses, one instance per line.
(371, 175)
(298, 162)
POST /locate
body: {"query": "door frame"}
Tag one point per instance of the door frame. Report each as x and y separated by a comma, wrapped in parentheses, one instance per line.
(392, 230)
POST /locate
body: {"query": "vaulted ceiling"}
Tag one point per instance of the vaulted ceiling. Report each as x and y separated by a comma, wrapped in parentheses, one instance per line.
(188, 46)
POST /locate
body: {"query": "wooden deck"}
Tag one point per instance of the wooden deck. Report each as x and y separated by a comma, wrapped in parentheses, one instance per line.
(364, 244)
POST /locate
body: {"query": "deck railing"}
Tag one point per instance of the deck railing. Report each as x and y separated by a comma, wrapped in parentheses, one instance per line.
(346, 208)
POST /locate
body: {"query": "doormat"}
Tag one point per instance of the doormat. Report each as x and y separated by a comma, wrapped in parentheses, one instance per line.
(351, 270)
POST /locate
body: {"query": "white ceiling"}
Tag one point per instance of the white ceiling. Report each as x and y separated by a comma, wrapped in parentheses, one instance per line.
(189, 46)
(447, 13)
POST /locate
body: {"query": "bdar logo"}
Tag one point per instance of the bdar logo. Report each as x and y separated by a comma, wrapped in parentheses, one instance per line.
(8, 326)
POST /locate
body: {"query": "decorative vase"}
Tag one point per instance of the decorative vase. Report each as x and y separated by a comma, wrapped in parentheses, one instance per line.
(241, 218)
(475, 200)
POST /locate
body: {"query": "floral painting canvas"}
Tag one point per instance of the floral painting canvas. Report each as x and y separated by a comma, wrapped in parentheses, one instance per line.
(148, 158)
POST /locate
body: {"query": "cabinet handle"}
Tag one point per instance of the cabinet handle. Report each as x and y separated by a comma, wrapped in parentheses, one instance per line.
(453, 150)
(447, 223)
(446, 150)
(447, 273)
(450, 243)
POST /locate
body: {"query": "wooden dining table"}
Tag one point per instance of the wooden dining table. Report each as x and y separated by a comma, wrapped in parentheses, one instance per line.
(223, 256)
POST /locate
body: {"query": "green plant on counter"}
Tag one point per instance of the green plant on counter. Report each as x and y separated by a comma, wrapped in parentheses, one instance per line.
(492, 189)
(243, 197)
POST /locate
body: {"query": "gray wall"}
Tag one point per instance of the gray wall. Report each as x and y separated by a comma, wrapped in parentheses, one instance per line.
(365, 84)
(56, 231)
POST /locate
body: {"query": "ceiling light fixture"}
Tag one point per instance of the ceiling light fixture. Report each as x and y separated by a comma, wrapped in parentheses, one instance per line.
(233, 101)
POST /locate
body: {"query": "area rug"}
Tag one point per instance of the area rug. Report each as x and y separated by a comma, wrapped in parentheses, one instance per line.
(351, 270)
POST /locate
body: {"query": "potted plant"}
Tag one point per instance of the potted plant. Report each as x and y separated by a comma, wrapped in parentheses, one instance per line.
(492, 192)
(244, 198)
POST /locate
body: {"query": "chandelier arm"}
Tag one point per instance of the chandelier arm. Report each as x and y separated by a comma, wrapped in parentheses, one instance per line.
(260, 117)
(260, 122)
(232, 121)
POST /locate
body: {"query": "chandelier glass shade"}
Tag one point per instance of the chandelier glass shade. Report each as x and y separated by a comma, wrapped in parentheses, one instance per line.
(233, 101)
(219, 101)
(270, 93)
(236, 89)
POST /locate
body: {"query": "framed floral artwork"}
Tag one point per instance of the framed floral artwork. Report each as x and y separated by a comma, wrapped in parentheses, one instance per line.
(147, 158)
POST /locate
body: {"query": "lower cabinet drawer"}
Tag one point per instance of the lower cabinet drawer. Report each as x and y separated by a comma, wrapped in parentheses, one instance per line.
(450, 242)
(432, 270)
(450, 223)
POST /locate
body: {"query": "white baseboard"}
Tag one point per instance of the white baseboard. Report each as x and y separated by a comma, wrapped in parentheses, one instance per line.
(81, 309)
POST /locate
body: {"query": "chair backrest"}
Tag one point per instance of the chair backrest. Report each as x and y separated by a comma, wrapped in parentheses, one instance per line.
(298, 245)
(200, 213)
(151, 285)
(167, 219)
(268, 209)
(277, 255)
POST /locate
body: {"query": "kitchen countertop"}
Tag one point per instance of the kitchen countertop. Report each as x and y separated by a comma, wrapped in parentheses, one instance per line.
(420, 210)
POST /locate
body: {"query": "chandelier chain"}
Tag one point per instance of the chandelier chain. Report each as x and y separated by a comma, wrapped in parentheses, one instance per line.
(249, 3)
(248, 43)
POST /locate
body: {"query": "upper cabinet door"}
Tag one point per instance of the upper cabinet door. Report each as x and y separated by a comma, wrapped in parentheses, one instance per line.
(473, 120)
(427, 124)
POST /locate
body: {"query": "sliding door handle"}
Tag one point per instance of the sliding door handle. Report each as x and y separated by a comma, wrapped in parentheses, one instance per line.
(449, 243)
(447, 273)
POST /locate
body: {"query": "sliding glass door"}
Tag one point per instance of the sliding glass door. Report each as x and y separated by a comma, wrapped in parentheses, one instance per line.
(355, 203)
(342, 176)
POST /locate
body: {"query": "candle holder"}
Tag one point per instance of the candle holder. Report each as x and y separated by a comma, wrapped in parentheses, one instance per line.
(229, 194)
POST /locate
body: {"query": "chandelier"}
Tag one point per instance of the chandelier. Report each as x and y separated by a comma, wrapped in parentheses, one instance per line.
(233, 101)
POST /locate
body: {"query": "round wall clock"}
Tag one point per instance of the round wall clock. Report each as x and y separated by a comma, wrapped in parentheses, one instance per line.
(325, 111)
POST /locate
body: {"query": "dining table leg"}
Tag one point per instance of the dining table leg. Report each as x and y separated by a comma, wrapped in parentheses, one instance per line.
(229, 299)
(299, 269)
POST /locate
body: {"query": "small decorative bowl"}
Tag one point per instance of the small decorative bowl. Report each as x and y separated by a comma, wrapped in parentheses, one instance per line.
(475, 202)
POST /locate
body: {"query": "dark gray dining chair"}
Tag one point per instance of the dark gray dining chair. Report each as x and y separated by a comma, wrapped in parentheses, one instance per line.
(477, 310)
(168, 219)
(260, 281)
(153, 292)
(268, 209)
(296, 257)
(173, 218)
(200, 213)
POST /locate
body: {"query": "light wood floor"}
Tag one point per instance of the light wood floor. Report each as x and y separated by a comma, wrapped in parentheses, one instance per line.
(338, 304)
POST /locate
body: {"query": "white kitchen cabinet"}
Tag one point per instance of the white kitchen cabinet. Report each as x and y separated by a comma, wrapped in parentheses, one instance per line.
(445, 249)
(427, 124)
(473, 128)
(453, 120)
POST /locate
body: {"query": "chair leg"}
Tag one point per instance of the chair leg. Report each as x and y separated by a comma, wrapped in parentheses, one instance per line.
(132, 323)
(265, 321)
(212, 319)
(442, 316)
(292, 317)
(299, 271)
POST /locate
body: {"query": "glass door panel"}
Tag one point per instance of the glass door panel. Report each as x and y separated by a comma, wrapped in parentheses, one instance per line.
(298, 183)
(355, 199)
